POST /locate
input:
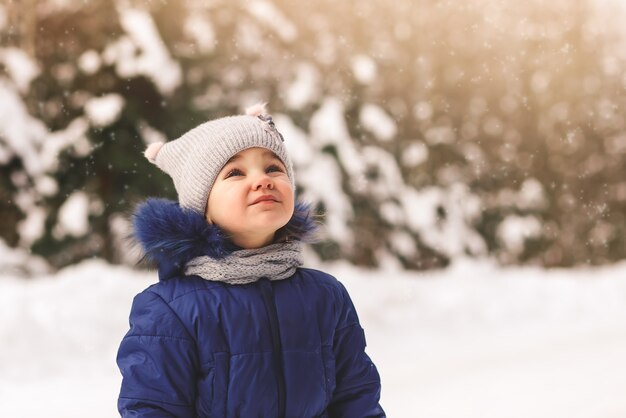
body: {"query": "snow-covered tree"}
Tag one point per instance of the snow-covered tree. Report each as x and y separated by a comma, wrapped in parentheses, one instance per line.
(424, 131)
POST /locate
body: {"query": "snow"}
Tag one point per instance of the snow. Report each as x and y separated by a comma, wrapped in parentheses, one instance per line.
(388, 181)
(15, 261)
(38, 149)
(149, 134)
(89, 62)
(32, 227)
(74, 136)
(20, 131)
(415, 154)
(305, 88)
(404, 244)
(480, 341)
(452, 233)
(327, 189)
(298, 146)
(364, 69)
(329, 127)
(143, 52)
(103, 111)
(514, 230)
(46, 186)
(531, 195)
(20, 67)
(125, 251)
(274, 19)
(200, 30)
(392, 213)
(378, 122)
(73, 218)
(474, 340)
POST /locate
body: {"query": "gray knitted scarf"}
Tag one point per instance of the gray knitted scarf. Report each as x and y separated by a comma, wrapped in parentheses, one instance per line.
(276, 262)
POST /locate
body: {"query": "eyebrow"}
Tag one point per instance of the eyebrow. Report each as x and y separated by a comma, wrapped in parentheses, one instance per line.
(265, 153)
(233, 158)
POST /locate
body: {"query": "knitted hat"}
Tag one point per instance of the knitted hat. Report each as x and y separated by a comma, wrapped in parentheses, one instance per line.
(195, 159)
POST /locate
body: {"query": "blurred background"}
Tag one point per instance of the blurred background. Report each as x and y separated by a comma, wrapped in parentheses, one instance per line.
(469, 160)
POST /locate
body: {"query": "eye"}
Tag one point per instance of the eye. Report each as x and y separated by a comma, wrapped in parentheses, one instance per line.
(233, 172)
(274, 168)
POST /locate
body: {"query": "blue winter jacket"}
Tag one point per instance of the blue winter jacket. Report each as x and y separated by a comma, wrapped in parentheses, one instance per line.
(196, 348)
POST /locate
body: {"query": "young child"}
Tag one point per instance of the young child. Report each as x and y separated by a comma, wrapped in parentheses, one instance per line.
(235, 327)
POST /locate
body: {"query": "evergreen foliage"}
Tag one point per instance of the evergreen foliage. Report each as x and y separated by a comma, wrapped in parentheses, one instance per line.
(475, 128)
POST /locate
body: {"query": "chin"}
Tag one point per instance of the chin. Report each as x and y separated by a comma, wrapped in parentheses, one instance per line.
(271, 226)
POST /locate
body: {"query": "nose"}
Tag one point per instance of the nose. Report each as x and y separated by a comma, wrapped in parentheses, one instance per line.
(263, 181)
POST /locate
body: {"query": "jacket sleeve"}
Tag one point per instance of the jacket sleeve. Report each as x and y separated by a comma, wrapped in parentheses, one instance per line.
(157, 359)
(357, 391)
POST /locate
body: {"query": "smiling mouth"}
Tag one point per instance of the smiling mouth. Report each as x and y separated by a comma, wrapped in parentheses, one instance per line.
(265, 199)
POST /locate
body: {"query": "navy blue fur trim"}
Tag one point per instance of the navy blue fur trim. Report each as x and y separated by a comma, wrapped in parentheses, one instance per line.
(165, 230)
(170, 234)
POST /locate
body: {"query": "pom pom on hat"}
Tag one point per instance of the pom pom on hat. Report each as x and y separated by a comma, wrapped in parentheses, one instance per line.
(257, 110)
(152, 151)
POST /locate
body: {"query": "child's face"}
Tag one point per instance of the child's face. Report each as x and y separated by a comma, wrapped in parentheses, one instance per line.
(252, 198)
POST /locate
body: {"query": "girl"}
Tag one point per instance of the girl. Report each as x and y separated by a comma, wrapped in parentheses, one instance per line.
(235, 327)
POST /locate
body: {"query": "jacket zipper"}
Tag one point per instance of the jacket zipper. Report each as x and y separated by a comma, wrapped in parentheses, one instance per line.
(270, 308)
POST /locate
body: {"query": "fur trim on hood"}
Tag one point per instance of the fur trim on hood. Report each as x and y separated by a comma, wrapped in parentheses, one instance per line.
(170, 236)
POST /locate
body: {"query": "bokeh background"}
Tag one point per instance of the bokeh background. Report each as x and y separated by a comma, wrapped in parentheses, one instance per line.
(468, 158)
(424, 130)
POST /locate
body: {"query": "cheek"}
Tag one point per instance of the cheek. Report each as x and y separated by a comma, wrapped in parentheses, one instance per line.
(220, 204)
(289, 198)
(223, 192)
(287, 191)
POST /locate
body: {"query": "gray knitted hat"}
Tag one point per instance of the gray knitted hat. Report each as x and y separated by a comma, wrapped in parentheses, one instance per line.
(195, 159)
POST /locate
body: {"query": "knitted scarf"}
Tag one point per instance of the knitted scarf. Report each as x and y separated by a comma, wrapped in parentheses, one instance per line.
(276, 262)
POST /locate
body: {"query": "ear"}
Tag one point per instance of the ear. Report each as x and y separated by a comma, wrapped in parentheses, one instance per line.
(257, 110)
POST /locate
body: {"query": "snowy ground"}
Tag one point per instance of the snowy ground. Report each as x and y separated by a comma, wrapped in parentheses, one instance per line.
(471, 341)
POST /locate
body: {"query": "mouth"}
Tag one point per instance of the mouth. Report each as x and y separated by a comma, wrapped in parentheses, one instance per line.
(265, 199)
